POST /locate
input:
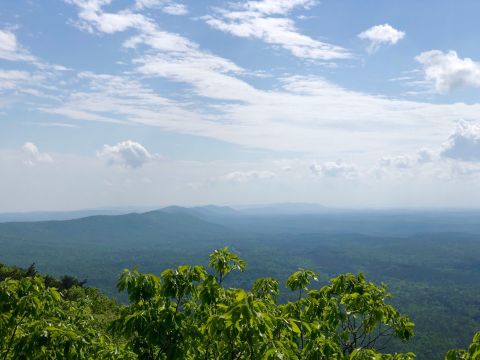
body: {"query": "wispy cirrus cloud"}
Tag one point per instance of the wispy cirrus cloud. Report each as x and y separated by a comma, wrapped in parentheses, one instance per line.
(122, 100)
(285, 118)
(268, 20)
(172, 55)
(26, 75)
(167, 6)
(11, 50)
(246, 176)
(11, 78)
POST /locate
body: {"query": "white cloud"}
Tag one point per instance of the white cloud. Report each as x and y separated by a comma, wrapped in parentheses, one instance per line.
(10, 79)
(127, 153)
(33, 156)
(17, 84)
(446, 71)
(463, 171)
(255, 19)
(167, 6)
(124, 100)
(175, 9)
(246, 176)
(399, 162)
(464, 142)
(425, 155)
(271, 7)
(379, 35)
(56, 124)
(286, 118)
(145, 4)
(173, 55)
(91, 17)
(6, 75)
(10, 49)
(335, 170)
(26, 188)
(215, 97)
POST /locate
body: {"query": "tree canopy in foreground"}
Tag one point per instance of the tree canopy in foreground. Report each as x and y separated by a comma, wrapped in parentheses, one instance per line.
(188, 313)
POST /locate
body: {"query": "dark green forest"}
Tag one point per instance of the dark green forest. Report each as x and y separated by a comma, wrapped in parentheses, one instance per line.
(188, 313)
(428, 261)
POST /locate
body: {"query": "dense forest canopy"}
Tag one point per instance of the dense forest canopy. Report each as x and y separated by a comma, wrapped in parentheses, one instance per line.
(189, 313)
(429, 260)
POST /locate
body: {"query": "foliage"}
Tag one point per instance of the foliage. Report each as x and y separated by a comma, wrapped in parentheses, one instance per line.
(189, 313)
(472, 353)
(37, 322)
(429, 260)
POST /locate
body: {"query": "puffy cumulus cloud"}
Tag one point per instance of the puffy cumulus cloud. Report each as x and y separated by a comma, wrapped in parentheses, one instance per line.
(463, 143)
(267, 20)
(246, 176)
(33, 156)
(10, 49)
(379, 35)
(126, 153)
(398, 162)
(335, 169)
(425, 155)
(463, 170)
(447, 71)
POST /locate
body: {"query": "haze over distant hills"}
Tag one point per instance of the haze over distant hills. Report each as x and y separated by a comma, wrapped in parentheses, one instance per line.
(280, 208)
(212, 211)
(287, 208)
(65, 215)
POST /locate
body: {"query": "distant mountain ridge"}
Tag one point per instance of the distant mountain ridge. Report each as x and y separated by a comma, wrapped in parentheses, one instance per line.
(55, 215)
(147, 228)
(283, 218)
(199, 211)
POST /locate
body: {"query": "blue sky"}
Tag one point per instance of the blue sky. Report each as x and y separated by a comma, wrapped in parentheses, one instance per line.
(155, 102)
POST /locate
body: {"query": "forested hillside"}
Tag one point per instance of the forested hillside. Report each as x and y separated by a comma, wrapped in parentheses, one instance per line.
(429, 262)
(188, 313)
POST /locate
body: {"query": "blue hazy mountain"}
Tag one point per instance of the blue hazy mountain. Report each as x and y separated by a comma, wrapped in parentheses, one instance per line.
(67, 215)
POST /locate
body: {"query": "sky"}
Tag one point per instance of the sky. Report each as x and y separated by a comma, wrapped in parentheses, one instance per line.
(345, 103)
